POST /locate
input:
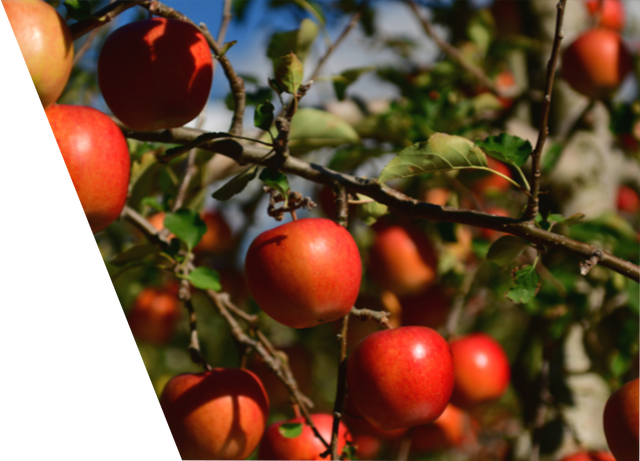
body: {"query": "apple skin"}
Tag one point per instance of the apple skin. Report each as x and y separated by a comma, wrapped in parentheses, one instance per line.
(218, 414)
(402, 261)
(367, 446)
(45, 43)
(21, 306)
(590, 456)
(358, 424)
(154, 315)
(401, 377)
(628, 200)
(65, 175)
(611, 15)
(596, 63)
(155, 73)
(446, 432)
(482, 371)
(97, 442)
(621, 422)
(305, 446)
(304, 273)
(218, 238)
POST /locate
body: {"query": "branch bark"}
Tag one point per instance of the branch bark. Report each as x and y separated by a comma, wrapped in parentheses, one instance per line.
(101, 17)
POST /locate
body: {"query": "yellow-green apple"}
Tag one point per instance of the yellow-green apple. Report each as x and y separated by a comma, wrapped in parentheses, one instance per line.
(96, 442)
(65, 175)
(20, 305)
(154, 315)
(304, 273)
(621, 422)
(401, 377)
(482, 371)
(45, 43)
(275, 445)
(218, 414)
(596, 63)
(155, 73)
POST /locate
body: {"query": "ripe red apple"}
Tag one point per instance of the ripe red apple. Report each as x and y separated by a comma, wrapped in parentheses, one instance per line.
(367, 446)
(154, 315)
(359, 425)
(596, 63)
(621, 422)
(482, 371)
(401, 377)
(65, 175)
(611, 13)
(427, 309)
(155, 73)
(628, 200)
(305, 446)
(446, 432)
(402, 261)
(218, 238)
(304, 273)
(45, 43)
(218, 414)
(97, 442)
(490, 182)
(505, 81)
(590, 456)
(20, 306)
(68, 341)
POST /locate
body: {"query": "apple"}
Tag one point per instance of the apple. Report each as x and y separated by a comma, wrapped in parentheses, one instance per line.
(490, 234)
(154, 315)
(628, 200)
(611, 13)
(621, 422)
(367, 446)
(68, 341)
(482, 371)
(491, 182)
(304, 273)
(427, 309)
(446, 432)
(65, 175)
(590, 456)
(45, 43)
(218, 414)
(359, 425)
(402, 261)
(596, 63)
(21, 306)
(306, 445)
(218, 237)
(436, 195)
(155, 73)
(401, 377)
(505, 81)
(96, 442)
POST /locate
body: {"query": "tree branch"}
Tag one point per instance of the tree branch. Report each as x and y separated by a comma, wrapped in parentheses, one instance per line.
(101, 17)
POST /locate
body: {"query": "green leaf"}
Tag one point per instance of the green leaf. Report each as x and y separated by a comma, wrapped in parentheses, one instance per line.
(277, 180)
(236, 184)
(134, 253)
(290, 430)
(506, 249)
(370, 212)
(186, 225)
(78, 9)
(152, 202)
(526, 285)
(312, 8)
(205, 279)
(441, 152)
(297, 41)
(507, 148)
(263, 116)
(288, 71)
(346, 78)
(313, 128)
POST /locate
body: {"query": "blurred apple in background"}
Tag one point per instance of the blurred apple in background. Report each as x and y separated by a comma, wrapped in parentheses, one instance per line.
(610, 13)
(154, 315)
(621, 422)
(448, 431)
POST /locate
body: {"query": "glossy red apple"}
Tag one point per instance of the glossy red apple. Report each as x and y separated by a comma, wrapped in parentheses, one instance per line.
(305, 446)
(97, 442)
(218, 414)
(628, 200)
(482, 371)
(218, 238)
(446, 432)
(154, 315)
(427, 309)
(65, 175)
(596, 63)
(155, 73)
(611, 13)
(401, 377)
(402, 261)
(358, 424)
(590, 456)
(621, 422)
(491, 182)
(21, 306)
(304, 273)
(45, 43)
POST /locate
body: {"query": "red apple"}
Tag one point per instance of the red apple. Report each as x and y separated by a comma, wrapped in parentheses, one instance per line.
(359, 425)
(621, 422)
(482, 371)
(505, 81)
(218, 237)
(401, 377)
(611, 13)
(306, 445)
(491, 182)
(218, 414)
(46, 45)
(65, 175)
(596, 63)
(589, 456)
(446, 432)
(154, 315)
(367, 446)
(20, 305)
(628, 200)
(304, 273)
(427, 309)
(402, 261)
(436, 195)
(157, 221)
(97, 442)
(155, 73)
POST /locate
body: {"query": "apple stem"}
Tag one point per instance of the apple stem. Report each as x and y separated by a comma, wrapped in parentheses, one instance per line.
(296, 410)
(293, 215)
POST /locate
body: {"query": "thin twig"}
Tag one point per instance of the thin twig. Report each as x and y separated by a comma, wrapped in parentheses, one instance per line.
(101, 17)
(453, 318)
(191, 169)
(541, 410)
(224, 25)
(585, 267)
(382, 317)
(342, 206)
(85, 46)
